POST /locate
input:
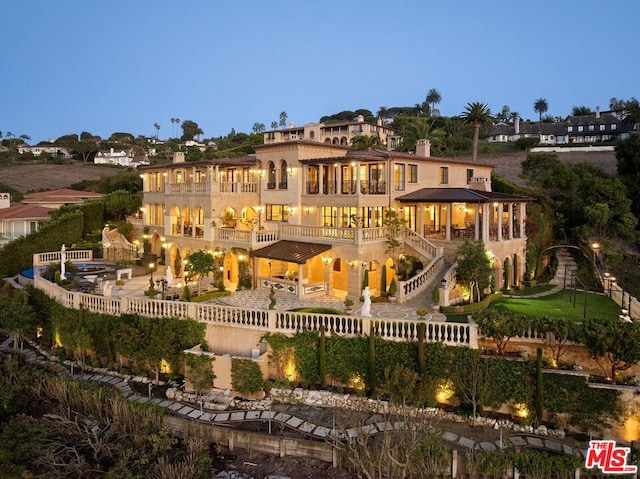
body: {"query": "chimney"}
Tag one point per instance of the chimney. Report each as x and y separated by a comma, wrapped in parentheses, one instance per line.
(423, 148)
(516, 125)
(5, 200)
(178, 157)
(597, 111)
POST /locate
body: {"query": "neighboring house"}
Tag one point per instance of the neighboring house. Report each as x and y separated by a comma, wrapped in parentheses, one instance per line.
(334, 133)
(39, 149)
(307, 217)
(120, 157)
(17, 220)
(57, 198)
(595, 128)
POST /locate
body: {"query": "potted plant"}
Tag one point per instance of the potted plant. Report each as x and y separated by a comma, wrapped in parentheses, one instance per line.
(422, 312)
(348, 303)
(393, 289)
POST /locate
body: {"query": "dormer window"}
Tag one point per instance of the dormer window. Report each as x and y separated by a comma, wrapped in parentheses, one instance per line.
(602, 127)
(569, 129)
(580, 128)
(613, 126)
(591, 127)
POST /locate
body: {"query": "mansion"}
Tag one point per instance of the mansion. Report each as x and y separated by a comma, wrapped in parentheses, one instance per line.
(308, 217)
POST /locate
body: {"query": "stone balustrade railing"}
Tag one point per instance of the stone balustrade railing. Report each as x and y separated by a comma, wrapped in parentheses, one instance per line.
(43, 259)
(287, 322)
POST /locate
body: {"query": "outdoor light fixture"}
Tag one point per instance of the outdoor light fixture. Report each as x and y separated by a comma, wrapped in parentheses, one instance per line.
(290, 170)
(326, 260)
(364, 265)
(352, 264)
(306, 210)
(444, 282)
(290, 210)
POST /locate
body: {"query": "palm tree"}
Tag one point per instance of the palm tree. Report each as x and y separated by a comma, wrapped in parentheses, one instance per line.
(157, 127)
(540, 106)
(477, 114)
(364, 142)
(422, 129)
(433, 98)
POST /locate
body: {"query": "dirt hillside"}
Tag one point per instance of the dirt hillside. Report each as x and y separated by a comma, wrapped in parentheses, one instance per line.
(27, 178)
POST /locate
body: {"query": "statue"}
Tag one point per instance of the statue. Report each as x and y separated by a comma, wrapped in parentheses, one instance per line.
(63, 261)
(107, 289)
(169, 276)
(365, 311)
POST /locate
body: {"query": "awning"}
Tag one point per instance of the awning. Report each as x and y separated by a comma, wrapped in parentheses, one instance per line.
(292, 251)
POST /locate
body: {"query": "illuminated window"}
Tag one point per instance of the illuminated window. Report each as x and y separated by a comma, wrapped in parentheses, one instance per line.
(277, 213)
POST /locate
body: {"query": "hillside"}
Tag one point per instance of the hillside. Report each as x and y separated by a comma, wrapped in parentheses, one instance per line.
(509, 165)
(26, 178)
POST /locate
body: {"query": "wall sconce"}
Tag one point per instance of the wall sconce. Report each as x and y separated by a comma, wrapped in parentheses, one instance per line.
(242, 258)
(352, 263)
(363, 265)
(290, 170)
(444, 282)
(290, 210)
(327, 260)
(306, 210)
(259, 209)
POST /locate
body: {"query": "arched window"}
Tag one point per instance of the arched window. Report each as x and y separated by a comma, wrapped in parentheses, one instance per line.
(312, 135)
(271, 181)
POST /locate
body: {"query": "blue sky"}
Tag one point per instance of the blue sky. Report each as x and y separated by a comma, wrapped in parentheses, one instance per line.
(104, 66)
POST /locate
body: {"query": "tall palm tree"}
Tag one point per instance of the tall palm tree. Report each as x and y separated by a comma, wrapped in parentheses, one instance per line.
(477, 114)
(540, 106)
(433, 98)
(157, 127)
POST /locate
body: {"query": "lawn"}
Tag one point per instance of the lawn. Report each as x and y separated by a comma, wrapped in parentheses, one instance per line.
(560, 305)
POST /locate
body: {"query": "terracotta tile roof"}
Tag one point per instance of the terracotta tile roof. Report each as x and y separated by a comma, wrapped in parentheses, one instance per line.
(292, 251)
(19, 211)
(59, 196)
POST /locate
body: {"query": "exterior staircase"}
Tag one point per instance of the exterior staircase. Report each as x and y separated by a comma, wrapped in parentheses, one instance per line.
(422, 283)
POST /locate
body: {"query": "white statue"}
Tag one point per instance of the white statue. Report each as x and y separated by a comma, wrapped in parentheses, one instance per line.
(169, 276)
(107, 289)
(365, 311)
(63, 261)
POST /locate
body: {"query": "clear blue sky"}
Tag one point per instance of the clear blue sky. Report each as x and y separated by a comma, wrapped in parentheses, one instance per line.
(104, 66)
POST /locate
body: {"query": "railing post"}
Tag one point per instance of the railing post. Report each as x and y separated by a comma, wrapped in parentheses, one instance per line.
(473, 334)
(271, 320)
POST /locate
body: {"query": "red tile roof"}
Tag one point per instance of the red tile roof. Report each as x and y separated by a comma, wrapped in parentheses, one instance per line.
(65, 195)
(18, 211)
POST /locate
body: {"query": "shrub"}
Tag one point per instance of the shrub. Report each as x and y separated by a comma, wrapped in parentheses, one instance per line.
(393, 287)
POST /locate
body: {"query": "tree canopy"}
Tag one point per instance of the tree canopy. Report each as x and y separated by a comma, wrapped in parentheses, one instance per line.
(474, 267)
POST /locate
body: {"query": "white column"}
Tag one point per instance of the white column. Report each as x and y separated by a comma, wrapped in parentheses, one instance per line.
(447, 235)
(521, 218)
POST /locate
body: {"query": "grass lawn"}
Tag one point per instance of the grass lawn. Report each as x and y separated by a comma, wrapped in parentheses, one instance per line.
(560, 305)
(539, 288)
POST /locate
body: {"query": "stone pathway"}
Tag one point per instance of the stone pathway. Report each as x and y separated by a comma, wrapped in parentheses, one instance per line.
(290, 416)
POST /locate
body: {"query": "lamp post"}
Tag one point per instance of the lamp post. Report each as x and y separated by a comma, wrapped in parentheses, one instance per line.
(612, 280)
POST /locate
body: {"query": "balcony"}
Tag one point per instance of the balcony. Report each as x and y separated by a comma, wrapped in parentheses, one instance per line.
(224, 187)
(348, 187)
